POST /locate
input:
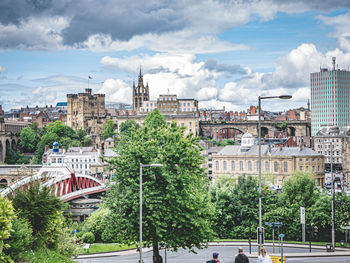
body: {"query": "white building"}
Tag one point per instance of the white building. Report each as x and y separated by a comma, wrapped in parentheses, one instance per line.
(330, 98)
(78, 159)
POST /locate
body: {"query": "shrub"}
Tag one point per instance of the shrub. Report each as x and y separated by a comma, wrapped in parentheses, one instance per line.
(20, 240)
(88, 237)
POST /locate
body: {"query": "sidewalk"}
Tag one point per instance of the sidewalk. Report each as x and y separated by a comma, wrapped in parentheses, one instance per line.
(338, 253)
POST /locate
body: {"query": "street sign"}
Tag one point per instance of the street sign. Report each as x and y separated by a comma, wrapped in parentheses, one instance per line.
(281, 235)
(345, 227)
(302, 215)
(273, 224)
(277, 259)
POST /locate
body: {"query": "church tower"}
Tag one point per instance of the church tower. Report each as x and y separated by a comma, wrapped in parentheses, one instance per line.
(140, 93)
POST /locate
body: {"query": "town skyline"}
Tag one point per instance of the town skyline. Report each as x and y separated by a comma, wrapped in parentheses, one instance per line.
(219, 53)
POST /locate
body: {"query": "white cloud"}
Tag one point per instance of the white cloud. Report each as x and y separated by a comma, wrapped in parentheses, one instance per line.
(116, 91)
(2, 69)
(36, 33)
(341, 24)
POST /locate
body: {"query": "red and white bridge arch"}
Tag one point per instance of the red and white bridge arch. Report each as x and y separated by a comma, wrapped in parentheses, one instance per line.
(66, 184)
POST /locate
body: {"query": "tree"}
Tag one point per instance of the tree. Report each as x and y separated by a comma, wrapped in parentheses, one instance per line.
(125, 126)
(13, 157)
(283, 125)
(6, 216)
(40, 208)
(28, 140)
(176, 207)
(81, 133)
(108, 129)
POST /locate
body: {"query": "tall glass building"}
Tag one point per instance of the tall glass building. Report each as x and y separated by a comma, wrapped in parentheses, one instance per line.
(330, 98)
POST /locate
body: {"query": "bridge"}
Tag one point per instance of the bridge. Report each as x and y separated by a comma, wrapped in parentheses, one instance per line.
(9, 131)
(63, 182)
(294, 128)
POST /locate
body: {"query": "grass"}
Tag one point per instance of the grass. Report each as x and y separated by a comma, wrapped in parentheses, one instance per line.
(46, 256)
(104, 247)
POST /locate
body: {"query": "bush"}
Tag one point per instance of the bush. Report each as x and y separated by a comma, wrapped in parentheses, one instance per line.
(20, 240)
(88, 237)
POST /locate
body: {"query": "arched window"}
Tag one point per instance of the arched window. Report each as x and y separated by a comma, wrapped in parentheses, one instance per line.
(241, 165)
(285, 167)
(275, 167)
(232, 165)
(267, 166)
(249, 166)
(225, 165)
(217, 165)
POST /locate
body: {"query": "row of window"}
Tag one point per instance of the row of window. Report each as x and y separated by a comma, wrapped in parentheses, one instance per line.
(267, 166)
(60, 160)
(250, 166)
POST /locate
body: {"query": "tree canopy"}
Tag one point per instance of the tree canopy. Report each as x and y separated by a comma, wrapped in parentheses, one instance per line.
(176, 205)
(108, 129)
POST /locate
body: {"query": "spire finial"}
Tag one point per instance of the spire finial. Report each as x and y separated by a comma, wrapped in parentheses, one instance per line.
(140, 72)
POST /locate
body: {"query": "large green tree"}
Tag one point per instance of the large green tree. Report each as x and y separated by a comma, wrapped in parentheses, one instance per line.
(41, 209)
(108, 129)
(176, 205)
(28, 140)
(6, 216)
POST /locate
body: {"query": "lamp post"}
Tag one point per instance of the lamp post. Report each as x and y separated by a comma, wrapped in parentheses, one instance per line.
(283, 97)
(333, 205)
(141, 166)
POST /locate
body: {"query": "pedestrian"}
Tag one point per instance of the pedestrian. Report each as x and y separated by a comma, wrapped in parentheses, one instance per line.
(264, 257)
(241, 257)
(215, 258)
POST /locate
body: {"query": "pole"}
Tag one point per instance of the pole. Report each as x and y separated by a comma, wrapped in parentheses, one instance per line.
(140, 261)
(259, 142)
(333, 214)
(273, 238)
(303, 238)
(279, 247)
(310, 235)
(282, 248)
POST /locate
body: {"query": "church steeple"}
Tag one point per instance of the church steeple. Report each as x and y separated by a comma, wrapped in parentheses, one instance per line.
(140, 93)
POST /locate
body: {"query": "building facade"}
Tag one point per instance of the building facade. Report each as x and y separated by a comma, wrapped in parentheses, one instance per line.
(277, 163)
(330, 98)
(81, 160)
(166, 104)
(86, 111)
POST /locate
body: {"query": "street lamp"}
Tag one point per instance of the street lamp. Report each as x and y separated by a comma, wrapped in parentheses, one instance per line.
(283, 97)
(141, 166)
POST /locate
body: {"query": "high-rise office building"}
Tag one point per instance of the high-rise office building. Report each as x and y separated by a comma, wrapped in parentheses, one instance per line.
(330, 98)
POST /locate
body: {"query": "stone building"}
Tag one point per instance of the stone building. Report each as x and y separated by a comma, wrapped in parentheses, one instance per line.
(166, 104)
(87, 111)
(277, 163)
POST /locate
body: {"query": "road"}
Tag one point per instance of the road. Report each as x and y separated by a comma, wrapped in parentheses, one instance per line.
(226, 255)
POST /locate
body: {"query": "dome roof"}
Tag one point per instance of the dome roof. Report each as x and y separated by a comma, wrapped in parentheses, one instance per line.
(55, 144)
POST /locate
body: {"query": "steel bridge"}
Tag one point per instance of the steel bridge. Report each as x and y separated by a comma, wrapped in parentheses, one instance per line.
(63, 182)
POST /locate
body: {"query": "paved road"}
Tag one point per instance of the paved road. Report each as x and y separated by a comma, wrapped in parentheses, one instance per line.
(226, 255)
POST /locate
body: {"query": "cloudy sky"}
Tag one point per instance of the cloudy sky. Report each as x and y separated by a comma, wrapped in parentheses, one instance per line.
(222, 53)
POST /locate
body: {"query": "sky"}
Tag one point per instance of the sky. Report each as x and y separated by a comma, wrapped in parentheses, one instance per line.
(222, 53)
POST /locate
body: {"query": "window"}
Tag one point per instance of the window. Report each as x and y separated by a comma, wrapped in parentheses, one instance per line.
(249, 165)
(300, 168)
(190, 123)
(275, 167)
(217, 165)
(232, 165)
(267, 166)
(241, 165)
(257, 166)
(285, 167)
(225, 165)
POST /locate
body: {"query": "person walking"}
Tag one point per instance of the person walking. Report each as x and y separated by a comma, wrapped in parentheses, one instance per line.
(241, 257)
(264, 257)
(215, 258)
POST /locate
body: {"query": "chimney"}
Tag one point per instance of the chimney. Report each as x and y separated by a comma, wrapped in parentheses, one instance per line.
(88, 91)
(333, 60)
(300, 147)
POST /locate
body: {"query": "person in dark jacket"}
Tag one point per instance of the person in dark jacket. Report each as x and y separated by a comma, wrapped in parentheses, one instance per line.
(215, 258)
(241, 257)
